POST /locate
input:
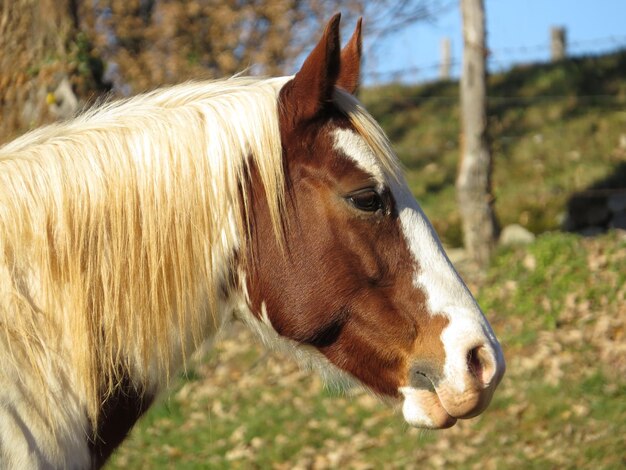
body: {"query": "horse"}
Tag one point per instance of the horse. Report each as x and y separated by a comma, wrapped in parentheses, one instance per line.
(133, 233)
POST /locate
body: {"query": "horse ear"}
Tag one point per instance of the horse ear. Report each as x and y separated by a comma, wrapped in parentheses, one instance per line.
(350, 67)
(313, 85)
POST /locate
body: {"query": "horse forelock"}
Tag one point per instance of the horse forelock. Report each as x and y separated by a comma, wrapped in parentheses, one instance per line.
(119, 228)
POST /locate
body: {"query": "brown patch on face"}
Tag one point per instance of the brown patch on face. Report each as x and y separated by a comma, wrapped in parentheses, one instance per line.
(344, 283)
(428, 355)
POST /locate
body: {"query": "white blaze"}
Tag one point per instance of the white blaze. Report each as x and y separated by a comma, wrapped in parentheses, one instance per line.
(446, 293)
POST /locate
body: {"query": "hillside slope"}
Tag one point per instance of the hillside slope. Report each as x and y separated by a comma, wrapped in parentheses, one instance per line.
(555, 129)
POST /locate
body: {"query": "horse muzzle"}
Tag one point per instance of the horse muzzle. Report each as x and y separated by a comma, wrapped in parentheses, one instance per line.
(435, 400)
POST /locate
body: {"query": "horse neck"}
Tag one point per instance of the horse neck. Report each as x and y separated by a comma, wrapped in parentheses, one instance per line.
(135, 268)
(151, 277)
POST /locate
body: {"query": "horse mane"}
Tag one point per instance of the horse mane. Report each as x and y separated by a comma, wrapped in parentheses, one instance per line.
(118, 228)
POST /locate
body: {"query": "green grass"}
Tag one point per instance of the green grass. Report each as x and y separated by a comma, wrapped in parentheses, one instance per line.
(558, 307)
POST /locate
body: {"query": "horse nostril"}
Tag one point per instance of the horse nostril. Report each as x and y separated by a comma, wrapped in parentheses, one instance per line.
(424, 375)
(481, 365)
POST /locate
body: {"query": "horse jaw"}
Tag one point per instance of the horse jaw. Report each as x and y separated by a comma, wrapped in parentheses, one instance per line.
(307, 357)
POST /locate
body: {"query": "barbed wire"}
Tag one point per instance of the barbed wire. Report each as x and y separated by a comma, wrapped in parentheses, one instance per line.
(584, 100)
(613, 40)
(495, 60)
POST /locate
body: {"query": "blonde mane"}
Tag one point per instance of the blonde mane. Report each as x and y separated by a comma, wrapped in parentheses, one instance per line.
(118, 229)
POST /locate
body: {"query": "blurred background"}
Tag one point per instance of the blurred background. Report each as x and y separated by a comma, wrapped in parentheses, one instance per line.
(554, 287)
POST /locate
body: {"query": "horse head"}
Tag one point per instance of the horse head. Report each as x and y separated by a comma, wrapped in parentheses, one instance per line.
(360, 277)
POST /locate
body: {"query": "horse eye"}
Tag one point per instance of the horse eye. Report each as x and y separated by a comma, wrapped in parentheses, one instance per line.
(367, 200)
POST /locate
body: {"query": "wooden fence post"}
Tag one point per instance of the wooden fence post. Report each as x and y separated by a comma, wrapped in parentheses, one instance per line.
(558, 43)
(446, 59)
(480, 228)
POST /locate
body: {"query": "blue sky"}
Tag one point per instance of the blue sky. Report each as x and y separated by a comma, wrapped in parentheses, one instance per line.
(518, 32)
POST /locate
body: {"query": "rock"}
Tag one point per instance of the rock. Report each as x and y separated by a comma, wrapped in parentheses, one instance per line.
(515, 234)
(456, 255)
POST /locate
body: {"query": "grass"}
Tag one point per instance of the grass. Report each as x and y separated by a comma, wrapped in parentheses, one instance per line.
(561, 319)
(557, 305)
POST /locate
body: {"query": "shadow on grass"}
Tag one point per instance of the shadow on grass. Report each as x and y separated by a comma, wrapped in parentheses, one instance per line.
(599, 207)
